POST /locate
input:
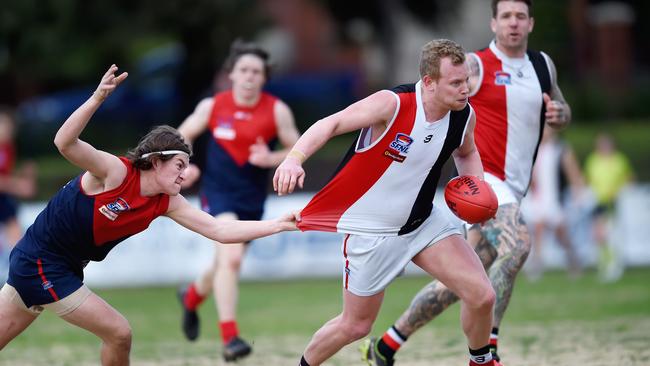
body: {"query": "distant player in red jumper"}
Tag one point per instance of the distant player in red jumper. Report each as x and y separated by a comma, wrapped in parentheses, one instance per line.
(14, 183)
(244, 123)
(382, 199)
(515, 94)
(113, 199)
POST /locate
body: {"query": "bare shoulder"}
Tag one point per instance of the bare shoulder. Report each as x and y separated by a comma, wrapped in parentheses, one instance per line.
(385, 100)
(176, 202)
(281, 109)
(473, 65)
(383, 104)
(205, 104)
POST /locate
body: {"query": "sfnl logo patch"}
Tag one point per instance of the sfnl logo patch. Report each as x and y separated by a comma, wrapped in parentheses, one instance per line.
(501, 78)
(112, 210)
(399, 147)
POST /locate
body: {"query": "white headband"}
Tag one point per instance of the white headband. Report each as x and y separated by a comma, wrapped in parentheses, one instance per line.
(165, 152)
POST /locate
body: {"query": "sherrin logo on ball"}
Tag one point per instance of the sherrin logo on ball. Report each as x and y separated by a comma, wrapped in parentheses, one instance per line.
(471, 199)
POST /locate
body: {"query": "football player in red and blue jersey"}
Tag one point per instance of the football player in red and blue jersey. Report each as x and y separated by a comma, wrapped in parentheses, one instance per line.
(113, 199)
(244, 125)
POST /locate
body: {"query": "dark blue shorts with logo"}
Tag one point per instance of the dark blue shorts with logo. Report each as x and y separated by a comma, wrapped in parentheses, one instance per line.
(41, 280)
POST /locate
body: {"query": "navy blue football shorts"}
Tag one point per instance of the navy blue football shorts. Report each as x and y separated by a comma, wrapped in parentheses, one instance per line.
(216, 203)
(41, 281)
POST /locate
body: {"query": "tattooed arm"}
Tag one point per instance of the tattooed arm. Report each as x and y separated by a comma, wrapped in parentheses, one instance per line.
(473, 64)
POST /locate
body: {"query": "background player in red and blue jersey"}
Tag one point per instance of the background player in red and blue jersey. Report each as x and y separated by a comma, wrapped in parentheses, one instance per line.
(20, 183)
(113, 199)
(244, 125)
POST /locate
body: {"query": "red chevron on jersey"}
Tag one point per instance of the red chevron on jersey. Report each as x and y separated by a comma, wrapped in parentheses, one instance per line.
(235, 128)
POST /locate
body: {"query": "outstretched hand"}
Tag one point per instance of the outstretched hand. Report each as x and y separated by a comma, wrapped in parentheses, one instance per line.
(108, 83)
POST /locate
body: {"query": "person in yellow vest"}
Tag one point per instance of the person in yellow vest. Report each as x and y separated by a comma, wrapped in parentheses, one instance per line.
(607, 171)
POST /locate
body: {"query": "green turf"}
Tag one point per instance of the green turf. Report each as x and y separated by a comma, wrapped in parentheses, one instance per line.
(279, 317)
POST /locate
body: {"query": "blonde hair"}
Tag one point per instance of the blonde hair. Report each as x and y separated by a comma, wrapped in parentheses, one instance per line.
(435, 51)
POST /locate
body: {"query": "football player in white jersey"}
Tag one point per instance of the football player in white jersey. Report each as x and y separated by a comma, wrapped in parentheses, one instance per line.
(515, 93)
(395, 123)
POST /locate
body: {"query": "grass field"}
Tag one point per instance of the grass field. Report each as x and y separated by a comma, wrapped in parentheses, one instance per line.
(550, 322)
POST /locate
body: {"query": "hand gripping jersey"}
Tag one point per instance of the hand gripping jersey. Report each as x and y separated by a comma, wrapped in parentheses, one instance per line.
(386, 187)
(510, 114)
(76, 227)
(234, 129)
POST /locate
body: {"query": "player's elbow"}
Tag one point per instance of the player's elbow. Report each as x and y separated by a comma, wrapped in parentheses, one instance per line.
(61, 143)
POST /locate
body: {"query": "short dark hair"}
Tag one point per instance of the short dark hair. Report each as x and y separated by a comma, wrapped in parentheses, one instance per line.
(160, 138)
(240, 48)
(529, 3)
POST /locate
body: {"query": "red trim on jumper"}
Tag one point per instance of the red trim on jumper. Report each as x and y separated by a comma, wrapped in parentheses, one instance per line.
(39, 263)
(390, 342)
(347, 262)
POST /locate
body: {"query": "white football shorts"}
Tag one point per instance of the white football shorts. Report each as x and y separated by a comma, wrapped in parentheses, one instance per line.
(371, 263)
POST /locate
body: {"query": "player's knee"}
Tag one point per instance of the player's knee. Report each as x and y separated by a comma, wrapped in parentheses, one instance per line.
(357, 330)
(483, 299)
(232, 262)
(121, 336)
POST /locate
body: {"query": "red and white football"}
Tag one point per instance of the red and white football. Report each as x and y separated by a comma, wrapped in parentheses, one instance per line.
(471, 199)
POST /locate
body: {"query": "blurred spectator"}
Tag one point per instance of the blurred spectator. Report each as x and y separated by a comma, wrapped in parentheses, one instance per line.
(556, 178)
(19, 184)
(608, 172)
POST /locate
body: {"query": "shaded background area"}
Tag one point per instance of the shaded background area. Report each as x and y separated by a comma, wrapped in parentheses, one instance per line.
(327, 54)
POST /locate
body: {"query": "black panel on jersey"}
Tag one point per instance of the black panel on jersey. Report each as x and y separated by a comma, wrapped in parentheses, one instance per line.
(404, 88)
(348, 155)
(541, 69)
(424, 201)
(544, 77)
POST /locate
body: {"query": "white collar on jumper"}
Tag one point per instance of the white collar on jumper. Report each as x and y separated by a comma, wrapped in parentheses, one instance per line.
(164, 152)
